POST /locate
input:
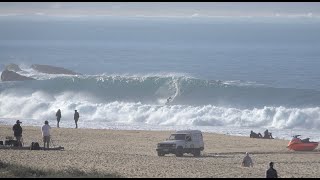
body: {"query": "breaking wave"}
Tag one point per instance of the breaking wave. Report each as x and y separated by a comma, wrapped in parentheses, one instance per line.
(142, 99)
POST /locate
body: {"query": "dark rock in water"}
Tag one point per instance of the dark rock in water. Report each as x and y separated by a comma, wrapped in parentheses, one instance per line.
(13, 67)
(52, 69)
(7, 75)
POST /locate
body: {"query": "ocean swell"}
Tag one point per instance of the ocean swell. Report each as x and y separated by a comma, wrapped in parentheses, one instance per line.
(141, 99)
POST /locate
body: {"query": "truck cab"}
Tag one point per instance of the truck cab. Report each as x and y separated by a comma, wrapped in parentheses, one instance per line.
(180, 142)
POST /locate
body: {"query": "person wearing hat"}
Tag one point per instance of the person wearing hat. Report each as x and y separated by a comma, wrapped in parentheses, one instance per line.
(17, 132)
(45, 129)
(271, 172)
(247, 161)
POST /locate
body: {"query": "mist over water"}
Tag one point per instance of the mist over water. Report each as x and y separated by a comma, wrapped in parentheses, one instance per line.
(223, 77)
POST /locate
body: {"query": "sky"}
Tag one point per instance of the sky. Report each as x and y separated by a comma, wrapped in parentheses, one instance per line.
(308, 9)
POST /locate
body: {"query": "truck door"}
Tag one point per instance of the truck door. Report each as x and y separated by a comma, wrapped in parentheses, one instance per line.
(189, 142)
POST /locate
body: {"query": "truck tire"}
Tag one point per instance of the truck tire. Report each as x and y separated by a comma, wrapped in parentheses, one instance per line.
(196, 152)
(179, 151)
(160, 153)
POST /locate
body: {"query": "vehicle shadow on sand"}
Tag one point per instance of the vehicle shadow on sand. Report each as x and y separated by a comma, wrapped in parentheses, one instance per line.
(232, 154)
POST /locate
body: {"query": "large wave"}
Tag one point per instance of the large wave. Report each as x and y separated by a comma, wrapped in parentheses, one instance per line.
(155, 89)
(142, 98)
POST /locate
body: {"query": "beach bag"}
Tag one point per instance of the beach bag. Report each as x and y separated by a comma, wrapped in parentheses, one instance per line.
(35, 146)
(11, 143)
(15, 143)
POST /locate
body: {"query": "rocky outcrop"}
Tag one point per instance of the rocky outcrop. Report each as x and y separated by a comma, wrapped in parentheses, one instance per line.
(10, 72)
(7, 75)
(13, 67)
(52, 69)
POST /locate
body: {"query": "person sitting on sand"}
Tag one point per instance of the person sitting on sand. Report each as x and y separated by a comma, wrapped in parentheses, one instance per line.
(247, 161)
(255, 135)
(267, 135)
(271, 172)
(45, 129)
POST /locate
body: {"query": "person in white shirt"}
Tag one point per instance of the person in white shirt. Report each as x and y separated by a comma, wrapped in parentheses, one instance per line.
(46, 134)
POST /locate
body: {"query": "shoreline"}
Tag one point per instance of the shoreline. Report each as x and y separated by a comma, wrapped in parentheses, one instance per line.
(131, 153)
(285, 134)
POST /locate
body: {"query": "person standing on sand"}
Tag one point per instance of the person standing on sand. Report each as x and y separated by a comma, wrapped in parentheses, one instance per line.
(247, 161)
(17, 132)
(271, 173)
(58, 115)
(76, 117)
(45, 129)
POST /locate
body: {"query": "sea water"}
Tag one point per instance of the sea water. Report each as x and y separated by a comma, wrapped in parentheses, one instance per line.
(225, 75)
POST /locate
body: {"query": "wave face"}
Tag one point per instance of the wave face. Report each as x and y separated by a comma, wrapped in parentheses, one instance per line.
(142, 98)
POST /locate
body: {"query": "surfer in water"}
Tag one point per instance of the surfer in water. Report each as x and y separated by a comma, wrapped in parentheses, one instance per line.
(168, 100)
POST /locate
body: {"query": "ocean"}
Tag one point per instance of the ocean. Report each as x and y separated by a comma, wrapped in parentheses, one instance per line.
(224, 75)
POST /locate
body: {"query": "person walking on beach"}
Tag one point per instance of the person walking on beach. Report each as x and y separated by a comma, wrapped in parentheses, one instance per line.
(17, 132)
(76, 117)
(45, 129)
(247, 161)
(271, 172)
(58, 115)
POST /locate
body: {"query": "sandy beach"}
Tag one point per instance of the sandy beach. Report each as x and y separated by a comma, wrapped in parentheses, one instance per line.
(133, 154)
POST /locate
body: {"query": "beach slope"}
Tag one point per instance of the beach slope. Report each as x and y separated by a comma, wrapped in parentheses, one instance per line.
(132, 154)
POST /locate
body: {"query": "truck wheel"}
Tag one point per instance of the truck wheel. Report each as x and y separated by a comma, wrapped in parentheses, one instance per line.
(179, 151)
(160, 154)
(196, 153)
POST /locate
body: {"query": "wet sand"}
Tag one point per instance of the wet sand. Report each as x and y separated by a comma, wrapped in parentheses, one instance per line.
(132, 154)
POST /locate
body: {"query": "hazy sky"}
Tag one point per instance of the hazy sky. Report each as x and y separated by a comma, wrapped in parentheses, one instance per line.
(163, 8)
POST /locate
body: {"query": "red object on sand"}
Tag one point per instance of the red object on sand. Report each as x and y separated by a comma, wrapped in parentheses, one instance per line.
(297, 145)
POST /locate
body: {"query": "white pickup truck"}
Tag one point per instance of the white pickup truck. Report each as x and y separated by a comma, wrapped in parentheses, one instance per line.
(180, 142)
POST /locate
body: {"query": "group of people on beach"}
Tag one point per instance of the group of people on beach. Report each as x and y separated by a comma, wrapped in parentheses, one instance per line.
(270, 173)
(267, 135)
(247, 161)
(76, 117)
(45, 129)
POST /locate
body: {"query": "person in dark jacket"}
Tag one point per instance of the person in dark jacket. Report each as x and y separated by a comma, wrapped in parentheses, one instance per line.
(271, 172)
(76, 117)
(17, 132)
(58, 115)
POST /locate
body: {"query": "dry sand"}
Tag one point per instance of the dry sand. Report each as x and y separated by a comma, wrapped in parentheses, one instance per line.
(132, 154)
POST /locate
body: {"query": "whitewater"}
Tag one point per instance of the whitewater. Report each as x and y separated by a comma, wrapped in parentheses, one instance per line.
(224, 86)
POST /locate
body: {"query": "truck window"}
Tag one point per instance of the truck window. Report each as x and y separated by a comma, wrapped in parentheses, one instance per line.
(188, 138)
(177, 137)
